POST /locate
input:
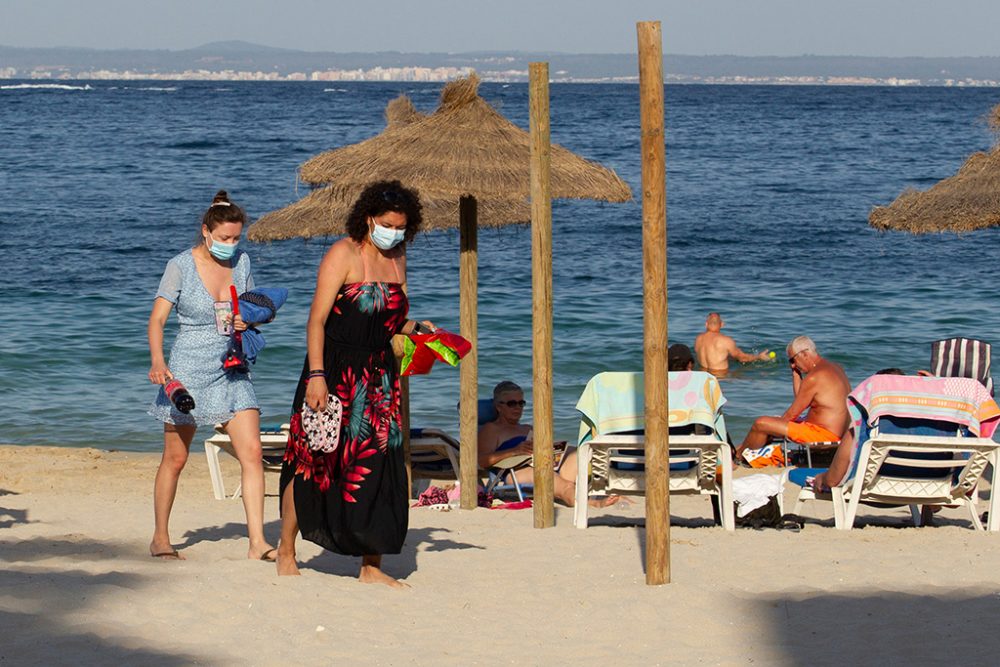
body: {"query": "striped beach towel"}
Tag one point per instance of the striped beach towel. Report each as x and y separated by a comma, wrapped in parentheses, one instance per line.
(962, 358)
(955, 400)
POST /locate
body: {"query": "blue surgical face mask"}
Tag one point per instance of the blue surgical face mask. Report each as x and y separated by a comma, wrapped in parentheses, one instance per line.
(221, 251)
(386, 238)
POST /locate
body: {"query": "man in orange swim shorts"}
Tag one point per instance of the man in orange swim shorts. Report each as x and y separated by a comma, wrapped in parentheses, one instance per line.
(821, 387)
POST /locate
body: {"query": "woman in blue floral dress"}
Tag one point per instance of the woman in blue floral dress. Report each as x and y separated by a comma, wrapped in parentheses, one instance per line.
(353, 500)
(197, 283)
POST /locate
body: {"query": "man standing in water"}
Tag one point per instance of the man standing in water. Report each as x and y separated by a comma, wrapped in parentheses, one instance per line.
(715, 348)
(821, 387)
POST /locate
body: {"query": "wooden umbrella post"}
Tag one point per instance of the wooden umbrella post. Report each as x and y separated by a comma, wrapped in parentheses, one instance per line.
(541, 289)
(654, 269)
(469, 368)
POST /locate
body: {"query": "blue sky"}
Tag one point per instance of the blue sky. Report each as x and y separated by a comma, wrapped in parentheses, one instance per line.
(740, 27)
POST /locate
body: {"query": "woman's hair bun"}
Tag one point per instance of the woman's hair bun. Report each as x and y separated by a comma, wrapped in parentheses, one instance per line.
(221, 196)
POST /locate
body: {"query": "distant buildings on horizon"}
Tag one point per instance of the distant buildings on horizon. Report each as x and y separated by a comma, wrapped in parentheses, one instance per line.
(442, 74)
(243, 61)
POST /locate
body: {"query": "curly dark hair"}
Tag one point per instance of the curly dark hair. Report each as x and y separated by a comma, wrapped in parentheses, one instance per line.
(380, 197)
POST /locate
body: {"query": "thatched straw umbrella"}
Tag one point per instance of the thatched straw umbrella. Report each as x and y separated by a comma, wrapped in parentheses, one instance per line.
(324, 212)
(964, 202)
(465, 149)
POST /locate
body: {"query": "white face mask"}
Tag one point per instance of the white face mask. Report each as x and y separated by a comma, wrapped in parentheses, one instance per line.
(220, 250)
(386, 238)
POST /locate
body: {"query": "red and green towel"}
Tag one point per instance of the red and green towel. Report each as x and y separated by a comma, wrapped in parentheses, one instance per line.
(420, 351)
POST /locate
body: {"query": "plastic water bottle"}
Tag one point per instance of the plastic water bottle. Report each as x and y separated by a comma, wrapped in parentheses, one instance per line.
(179, 396)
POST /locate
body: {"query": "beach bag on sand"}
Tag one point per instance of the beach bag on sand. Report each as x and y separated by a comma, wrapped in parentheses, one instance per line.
(768, 516)
(322, 427)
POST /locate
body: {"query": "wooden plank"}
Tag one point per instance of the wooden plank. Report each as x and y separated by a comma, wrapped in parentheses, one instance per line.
(469, 368)
(654, 268)
(541, 290)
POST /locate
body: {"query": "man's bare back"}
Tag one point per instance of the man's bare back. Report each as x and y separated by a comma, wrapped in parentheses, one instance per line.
(714, 348)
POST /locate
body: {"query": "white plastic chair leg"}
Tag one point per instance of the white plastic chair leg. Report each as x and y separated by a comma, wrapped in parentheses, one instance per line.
(781, 496)
(974, 514)
(727, 511)
(915, 513)
(214, 470)
(993, 519)
(839, 508)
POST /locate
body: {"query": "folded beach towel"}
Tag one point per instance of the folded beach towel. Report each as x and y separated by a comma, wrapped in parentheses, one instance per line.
(259, 306)
(614, 402)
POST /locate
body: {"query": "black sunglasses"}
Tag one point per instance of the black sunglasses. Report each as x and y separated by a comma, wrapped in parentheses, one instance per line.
(514, 404)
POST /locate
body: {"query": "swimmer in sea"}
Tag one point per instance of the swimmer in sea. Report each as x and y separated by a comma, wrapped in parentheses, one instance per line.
(714, 348)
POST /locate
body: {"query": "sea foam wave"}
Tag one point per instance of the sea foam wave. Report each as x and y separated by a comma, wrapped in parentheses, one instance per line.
(44, 86)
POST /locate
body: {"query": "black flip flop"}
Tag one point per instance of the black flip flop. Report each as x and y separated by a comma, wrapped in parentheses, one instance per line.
(264, 556)
(173, 554)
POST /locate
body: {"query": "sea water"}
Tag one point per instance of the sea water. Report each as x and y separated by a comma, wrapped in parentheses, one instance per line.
(768, 192)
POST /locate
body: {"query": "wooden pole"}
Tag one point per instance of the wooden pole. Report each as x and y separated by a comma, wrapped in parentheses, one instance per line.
(654, 297)
(469, 368)
(541, 290)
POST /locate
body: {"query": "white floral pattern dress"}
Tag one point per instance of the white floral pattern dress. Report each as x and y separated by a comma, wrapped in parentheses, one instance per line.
(197, 353)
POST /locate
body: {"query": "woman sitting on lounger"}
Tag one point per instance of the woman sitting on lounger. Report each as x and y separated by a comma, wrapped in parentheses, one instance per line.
(506, 436)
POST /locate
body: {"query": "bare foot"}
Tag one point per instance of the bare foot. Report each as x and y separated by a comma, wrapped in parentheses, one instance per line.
(606, 501)
(373, 575)
(287, 567)
(164, 551)
(265, 553)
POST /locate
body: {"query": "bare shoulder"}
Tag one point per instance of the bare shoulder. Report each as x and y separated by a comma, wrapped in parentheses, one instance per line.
(343, 249)
(488, 433)
(829, 371)
(342, 257)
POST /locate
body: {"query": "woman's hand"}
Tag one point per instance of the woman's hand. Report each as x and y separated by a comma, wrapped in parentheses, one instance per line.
(238, 323)
(422, 327)
(316, 393)
(159, 373)
(527, 447)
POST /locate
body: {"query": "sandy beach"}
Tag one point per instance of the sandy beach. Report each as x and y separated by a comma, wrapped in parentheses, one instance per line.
(487, 588)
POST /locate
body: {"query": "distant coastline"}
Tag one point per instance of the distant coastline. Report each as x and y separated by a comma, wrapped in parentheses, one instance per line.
(242, 61)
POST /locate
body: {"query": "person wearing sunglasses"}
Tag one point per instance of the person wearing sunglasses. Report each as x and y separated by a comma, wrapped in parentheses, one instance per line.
(821, 388)
(506, 436)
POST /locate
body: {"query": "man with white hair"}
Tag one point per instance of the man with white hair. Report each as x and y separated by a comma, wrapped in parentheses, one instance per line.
(821, 387)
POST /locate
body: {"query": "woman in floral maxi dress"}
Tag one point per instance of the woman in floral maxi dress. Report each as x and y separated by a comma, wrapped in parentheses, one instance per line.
(353, 500)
